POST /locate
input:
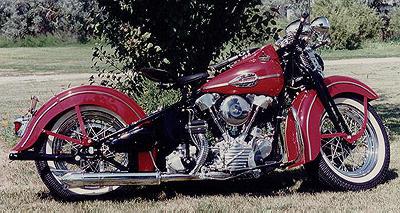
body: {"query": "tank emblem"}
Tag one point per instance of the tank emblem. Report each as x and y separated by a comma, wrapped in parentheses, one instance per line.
(264, 58)
(245, 80)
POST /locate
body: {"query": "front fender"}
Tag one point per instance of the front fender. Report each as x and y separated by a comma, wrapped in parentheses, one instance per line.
(107, 98)
(309, 113)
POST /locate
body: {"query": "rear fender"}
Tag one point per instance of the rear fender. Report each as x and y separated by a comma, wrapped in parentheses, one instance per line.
(73, 98)
(309, 112)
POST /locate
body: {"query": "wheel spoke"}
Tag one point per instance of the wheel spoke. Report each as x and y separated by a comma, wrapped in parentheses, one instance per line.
(352, 160)
(78, 126)
(102, 132)
(91, 130)
(116, 164)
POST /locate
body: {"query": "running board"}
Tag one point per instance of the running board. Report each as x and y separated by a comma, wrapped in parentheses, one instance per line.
(121, 178)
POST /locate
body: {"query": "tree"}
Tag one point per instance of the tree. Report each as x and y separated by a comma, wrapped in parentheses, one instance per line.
(352, 22)
(181, 37)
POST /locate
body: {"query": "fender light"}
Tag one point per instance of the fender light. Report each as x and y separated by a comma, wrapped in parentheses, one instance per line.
(20, 125)
(21, 122)
(17, 126)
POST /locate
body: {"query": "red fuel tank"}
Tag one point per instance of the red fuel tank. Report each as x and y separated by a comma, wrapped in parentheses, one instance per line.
(260, 73)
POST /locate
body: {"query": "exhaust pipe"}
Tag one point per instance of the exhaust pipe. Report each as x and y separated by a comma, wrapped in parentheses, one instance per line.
(119, 179)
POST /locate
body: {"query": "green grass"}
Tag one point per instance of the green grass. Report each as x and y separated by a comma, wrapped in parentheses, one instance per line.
(42, 41)
(369, 50)
(45, 60)
(35, 41)
(22, 190)
(19, 61)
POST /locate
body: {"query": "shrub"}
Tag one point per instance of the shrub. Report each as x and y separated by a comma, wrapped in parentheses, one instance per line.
(352, 22)
(181, 37)
(394, 25)
(259, 33)
(36, 41)
(62, 18)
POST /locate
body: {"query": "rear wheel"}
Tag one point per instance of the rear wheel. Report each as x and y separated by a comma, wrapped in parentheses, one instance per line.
(98, 123)
(359, 166)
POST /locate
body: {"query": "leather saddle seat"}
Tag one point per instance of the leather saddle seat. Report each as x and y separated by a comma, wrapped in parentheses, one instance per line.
(190, 79)
(163, 76)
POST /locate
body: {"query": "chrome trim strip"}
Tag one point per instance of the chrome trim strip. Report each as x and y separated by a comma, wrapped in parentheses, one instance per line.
(217, 85)
(37, 121)
(269, 76)
(308, 119)
(258, 78)
(299, 135)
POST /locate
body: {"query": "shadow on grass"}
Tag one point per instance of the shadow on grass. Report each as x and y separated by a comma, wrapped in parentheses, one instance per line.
(274, 184)
(392, 174)
(390, 114)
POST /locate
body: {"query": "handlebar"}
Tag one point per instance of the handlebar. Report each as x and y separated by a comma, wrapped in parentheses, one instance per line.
(303, 19)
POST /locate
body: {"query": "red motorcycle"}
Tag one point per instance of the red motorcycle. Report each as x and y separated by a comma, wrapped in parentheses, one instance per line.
(265, 109)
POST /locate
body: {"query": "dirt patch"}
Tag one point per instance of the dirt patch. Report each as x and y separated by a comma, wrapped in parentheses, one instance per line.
(43, 78)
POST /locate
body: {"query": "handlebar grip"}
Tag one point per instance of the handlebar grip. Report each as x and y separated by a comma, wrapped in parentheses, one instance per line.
(304, 16)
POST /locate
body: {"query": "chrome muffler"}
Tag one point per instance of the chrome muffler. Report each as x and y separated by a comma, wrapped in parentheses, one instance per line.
(122, 178)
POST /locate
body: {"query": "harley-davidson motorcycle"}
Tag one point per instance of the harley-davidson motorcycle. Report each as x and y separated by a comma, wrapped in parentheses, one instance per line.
(265, 109)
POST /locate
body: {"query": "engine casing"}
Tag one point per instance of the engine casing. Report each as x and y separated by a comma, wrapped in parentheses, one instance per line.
(238, 157)
(235, 110)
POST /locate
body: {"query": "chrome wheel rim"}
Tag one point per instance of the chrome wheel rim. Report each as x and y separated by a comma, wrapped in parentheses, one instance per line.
(354, 161)
(98, 123)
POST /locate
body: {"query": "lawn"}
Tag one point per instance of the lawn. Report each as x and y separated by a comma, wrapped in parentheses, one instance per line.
(369, 50)
(45, 60)
(45, 71)
(77, 59)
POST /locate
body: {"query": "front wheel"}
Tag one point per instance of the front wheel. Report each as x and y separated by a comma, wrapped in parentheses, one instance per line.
(359, 166)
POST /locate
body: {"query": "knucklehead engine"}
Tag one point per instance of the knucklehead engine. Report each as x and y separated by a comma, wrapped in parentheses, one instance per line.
(242, 144)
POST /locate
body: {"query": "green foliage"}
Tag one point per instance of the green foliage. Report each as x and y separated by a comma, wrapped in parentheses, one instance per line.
(61, 18)
(152, 98)
(394, 24)
(262, 29)
(7, 133)
(352, 22)
(181, 37)
(36, 41)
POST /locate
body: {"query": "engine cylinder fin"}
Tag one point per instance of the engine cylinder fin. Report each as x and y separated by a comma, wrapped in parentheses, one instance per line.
(237, 156)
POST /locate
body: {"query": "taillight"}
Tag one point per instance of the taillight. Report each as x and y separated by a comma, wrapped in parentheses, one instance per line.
(21, 122)
(17, 126)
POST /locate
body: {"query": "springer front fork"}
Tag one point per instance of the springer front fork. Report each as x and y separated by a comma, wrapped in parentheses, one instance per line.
(329, 104)
(342, 130)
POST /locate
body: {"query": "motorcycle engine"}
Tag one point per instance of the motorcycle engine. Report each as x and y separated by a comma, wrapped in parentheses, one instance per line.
(240, 154)
(243, 144)
(235, 110)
